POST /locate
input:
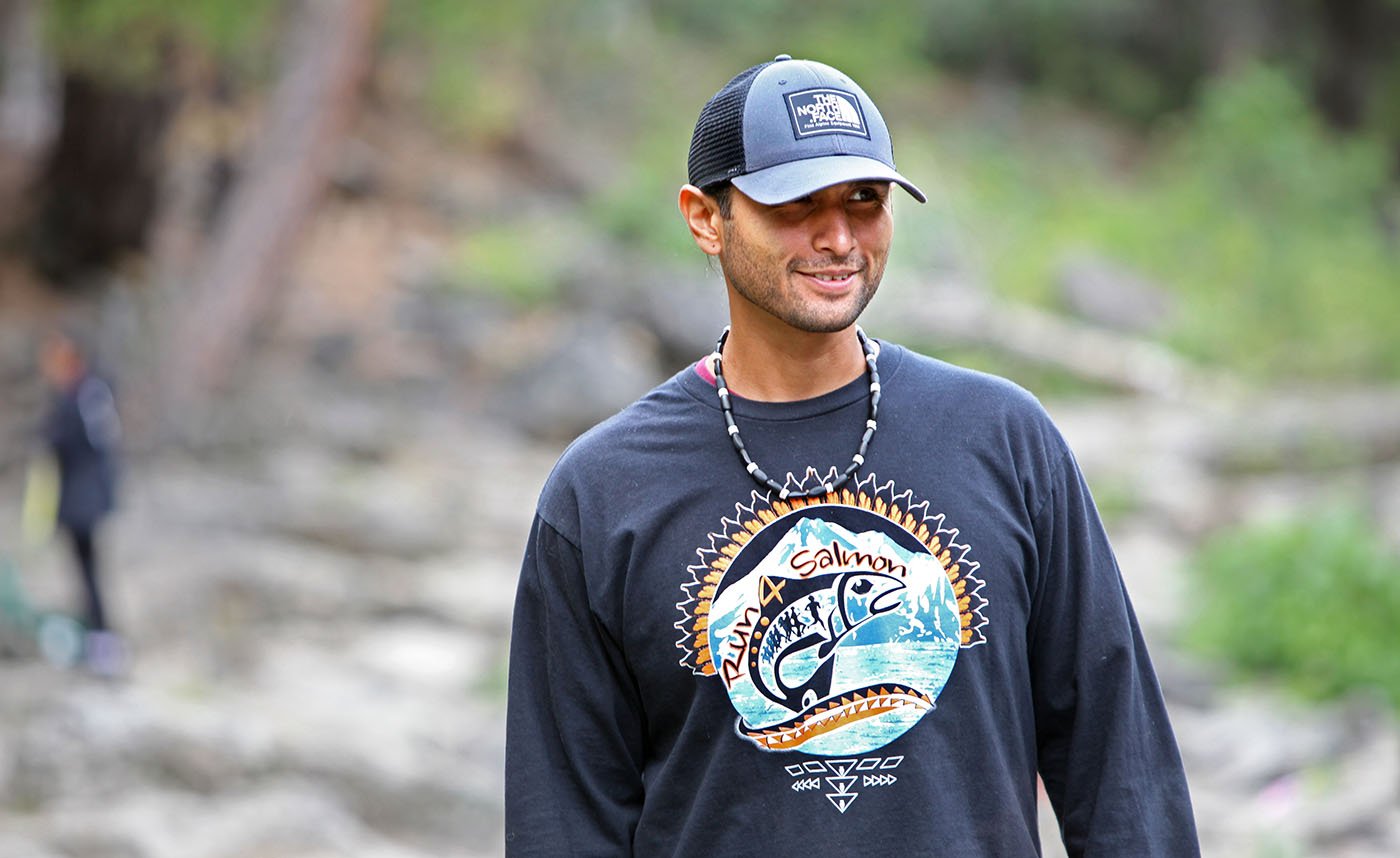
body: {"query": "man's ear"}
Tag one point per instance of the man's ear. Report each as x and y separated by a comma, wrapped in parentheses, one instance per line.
(702, 216)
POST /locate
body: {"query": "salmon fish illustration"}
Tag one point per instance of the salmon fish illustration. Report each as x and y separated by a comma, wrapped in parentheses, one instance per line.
(802, 626)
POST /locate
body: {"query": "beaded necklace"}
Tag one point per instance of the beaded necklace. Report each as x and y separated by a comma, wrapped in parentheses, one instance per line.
(872, 352)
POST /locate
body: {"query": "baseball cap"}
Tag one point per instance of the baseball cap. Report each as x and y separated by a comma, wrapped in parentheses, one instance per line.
(783, 129)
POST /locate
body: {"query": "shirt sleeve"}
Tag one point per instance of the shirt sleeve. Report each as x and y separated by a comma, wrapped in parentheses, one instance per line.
(1106, 750)
(574, 731)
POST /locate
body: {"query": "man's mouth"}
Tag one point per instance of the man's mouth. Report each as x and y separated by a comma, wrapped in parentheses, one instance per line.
(832, 279)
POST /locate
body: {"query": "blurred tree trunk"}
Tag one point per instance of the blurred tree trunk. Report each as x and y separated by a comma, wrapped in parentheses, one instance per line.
(1349, 28)
(329, 48)
(96, 196)
(29, 104)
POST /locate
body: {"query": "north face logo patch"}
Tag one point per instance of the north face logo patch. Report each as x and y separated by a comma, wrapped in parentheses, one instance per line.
(825, 111)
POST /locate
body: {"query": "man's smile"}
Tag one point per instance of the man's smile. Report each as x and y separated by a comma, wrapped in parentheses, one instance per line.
(834, 279)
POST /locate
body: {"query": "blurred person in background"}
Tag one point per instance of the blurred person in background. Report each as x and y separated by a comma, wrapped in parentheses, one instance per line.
(879, 649)
(82, 431)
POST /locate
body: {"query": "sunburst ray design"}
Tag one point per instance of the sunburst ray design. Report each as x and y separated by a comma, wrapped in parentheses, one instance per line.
(868, 494)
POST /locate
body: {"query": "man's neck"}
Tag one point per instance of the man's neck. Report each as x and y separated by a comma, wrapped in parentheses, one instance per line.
(792, 367)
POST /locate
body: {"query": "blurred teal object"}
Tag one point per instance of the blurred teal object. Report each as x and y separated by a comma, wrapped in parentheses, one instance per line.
(56, 637)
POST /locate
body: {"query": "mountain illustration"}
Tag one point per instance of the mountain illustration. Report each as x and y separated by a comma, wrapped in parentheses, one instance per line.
(814, 533)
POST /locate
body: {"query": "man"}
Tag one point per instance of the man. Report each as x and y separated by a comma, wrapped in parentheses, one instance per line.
(818, 593)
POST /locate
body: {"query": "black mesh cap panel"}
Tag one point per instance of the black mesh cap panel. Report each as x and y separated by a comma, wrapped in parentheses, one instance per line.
(717, 146)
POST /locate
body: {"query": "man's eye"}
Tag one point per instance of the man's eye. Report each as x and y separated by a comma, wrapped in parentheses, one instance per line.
(794, 208)
(865, 195)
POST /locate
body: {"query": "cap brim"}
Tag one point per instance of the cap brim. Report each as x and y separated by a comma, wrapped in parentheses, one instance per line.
(785, 182)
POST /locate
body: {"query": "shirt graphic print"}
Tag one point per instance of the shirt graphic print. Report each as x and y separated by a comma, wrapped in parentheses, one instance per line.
(832, 622)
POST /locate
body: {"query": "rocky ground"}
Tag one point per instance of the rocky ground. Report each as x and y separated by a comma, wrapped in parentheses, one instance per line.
(319, 630)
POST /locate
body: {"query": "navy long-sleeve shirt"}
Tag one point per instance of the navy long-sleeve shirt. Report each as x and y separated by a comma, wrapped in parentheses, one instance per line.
(701, 668)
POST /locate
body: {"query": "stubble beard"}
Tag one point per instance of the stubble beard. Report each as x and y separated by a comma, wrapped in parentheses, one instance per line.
(766, 283)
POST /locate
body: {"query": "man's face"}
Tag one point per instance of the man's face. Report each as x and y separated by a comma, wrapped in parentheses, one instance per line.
(812, 263)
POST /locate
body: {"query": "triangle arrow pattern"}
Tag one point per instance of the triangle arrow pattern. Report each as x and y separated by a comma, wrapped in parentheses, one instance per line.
(843, 776)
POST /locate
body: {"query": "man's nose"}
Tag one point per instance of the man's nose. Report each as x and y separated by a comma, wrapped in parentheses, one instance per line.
(832, 233)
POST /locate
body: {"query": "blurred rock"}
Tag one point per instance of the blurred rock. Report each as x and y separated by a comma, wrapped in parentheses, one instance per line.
(284, 818)
(17, 846)
(1109, 294)
(1312, 780)
(1384, 487)
(7, 768)
(686, 310)
(593, 368)
(681, 302)
(357, 169)
(1309, 431)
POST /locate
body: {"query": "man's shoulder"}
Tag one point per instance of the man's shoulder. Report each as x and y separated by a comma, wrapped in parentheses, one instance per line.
(648, 416)
(973, 391)
(656, 422)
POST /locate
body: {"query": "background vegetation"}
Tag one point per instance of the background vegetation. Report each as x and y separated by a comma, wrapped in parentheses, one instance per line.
(1308, 603)
(1242, 158)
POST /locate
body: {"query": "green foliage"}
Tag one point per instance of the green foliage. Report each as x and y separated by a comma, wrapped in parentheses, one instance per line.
(1128, 58)
(129, 39)
(1263, 225)
(510, 261)
(469, 53)
(488, 68)
(640, 211)
(1312, 603)
(1292, 244)
(864, 43)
